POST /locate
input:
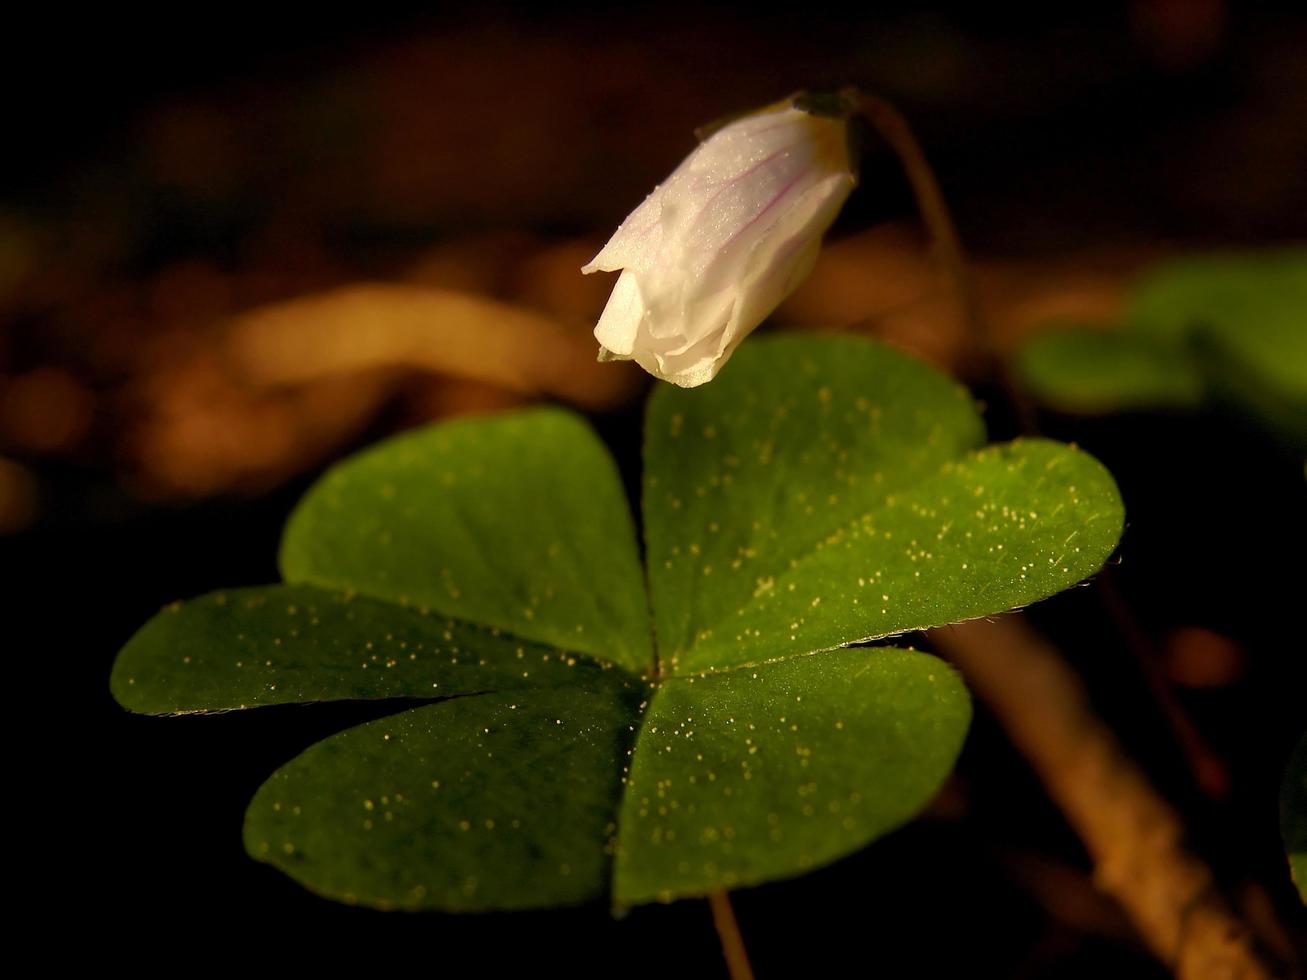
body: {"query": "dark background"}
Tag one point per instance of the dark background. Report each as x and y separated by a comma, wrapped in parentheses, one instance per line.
(1118, 126)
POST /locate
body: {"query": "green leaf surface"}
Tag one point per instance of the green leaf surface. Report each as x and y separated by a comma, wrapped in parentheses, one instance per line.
(502, 801)
(823, 515)
(820, 492)
(1230, 330)
(517, 521)
(759, 773)
(999, 529)
(1293, 816)
(1254, 306)
(1093, 372)
(283, 644)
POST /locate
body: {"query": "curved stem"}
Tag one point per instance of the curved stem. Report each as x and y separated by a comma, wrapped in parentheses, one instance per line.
(889, 123)
(728, 931)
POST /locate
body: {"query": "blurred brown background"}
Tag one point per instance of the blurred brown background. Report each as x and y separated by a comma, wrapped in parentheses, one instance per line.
(238, 241)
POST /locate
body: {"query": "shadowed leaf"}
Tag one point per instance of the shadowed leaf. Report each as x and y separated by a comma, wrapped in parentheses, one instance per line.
(501, 801)
(758, 773)
(283, 644)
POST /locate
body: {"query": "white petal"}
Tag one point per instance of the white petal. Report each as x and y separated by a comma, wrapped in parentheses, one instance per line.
(639, 234)
(620, 322)
(773, 267)
(716, 247)
(781, 260)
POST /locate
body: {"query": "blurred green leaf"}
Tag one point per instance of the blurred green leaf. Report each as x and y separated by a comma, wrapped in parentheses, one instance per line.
(1094, 371)
(820, 492)
(1227, 329)
(1253, 305)
(1293, 816)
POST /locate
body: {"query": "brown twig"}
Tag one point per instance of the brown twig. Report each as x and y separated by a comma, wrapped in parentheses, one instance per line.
(1133, 836)
(728, 931)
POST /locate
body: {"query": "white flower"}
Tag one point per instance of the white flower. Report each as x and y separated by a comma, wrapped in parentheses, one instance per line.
(717, 246)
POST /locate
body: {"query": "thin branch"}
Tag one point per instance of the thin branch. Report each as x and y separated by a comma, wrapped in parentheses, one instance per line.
(889, 123)
(728, 931)
(1133, 836)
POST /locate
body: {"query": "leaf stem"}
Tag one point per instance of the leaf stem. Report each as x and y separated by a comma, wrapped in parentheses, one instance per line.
(889, 123)
(728, 931)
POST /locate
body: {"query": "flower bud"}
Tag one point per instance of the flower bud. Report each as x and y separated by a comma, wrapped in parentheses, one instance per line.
(717, 246)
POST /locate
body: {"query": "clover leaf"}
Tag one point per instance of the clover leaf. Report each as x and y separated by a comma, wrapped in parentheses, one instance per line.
(1226, 329)
(585, 725)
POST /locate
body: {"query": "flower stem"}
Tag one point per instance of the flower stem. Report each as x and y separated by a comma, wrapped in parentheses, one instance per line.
(889, 123)
(728, 931)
